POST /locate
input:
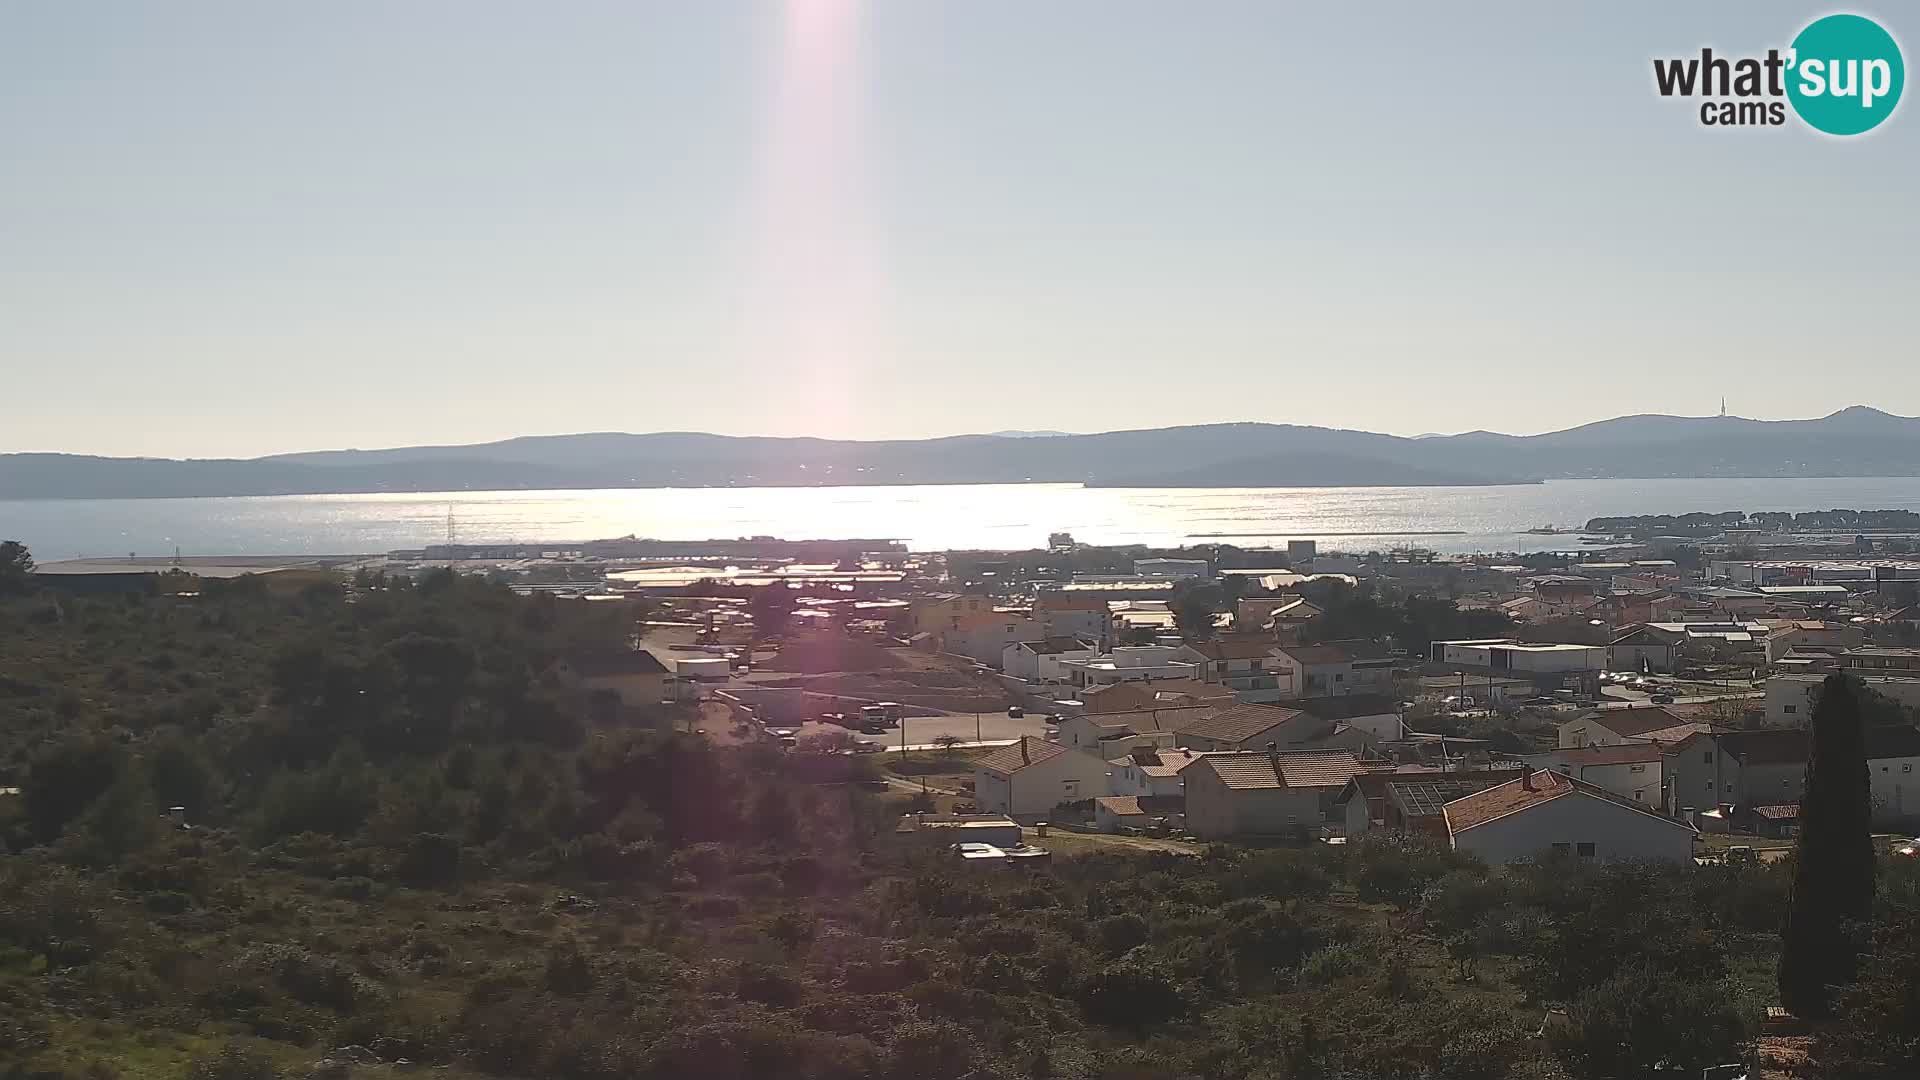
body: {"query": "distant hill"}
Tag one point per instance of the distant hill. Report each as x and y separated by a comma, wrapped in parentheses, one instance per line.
(1858, 441)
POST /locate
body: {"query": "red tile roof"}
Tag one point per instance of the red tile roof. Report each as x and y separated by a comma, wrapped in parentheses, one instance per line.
(1779, 811)
(1007, 760)
(1623, 754)
(1236, 723)
(1236, 648)
(1257, 769)
(1122, 805)
(1628, 723)
(1530, 791)
(1317, 654)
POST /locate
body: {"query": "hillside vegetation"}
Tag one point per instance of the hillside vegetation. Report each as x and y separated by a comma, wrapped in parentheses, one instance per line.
(412, 848)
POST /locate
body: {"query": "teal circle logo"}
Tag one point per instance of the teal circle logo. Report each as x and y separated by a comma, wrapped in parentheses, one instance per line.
(1845, 74)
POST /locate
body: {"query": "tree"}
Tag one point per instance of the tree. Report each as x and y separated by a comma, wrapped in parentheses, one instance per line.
(1832, 895)
(772, 609)
(1194, 605)
(16, 567)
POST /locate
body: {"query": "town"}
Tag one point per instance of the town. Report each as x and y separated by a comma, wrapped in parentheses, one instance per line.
(1647, 698)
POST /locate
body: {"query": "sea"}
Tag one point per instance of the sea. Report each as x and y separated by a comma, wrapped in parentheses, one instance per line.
(1447, 520)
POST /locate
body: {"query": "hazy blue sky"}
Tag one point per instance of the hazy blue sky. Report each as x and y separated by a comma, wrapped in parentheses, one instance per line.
(239, 227)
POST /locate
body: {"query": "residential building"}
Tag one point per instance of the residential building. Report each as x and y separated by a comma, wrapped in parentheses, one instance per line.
(1611, 727)
(1265, 793)
(985, 635)
(636, 675)
(1892, 753)
(1171, 568)
(1153, 694)
(1548, 666)
(1245, 665)
(1039, 661)
(1033, 776)
(1790, 697)
(1246, 727)
(942, 611)
(1874, 660)
(1630, 770)
(1113, 734)
(1151, 771)
(1736, 769)
(1375, 714)
(1542, 814)
(1419, 806)
(1078, 615)
(1363, 805)
(1811, 636)
(1334, 668)
(1273, 613)
(1132, 663)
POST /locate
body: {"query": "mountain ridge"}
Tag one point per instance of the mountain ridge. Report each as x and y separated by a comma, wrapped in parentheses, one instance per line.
(1855, 441)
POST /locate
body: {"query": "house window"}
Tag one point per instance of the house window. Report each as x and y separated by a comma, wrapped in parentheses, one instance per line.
(1258, 665)
(1710, 786)
(1339, 678)
(1790, 709)
(1562, 849)
(1706, 758)
(1070, 788)
(1636, 768)
(1220, 666)
(1586, 851)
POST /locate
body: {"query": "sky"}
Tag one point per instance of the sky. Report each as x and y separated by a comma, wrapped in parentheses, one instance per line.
(230, 228)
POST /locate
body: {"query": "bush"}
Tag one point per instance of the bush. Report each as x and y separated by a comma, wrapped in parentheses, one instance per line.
(1132, 993)
(431, 859)
(1117, 934)
(233, 1062)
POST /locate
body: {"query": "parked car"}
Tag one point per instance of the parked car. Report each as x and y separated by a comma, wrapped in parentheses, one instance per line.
(1015, 712)
(1662, 698)
(864, 747)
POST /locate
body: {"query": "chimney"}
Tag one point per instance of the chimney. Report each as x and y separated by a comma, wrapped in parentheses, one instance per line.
(1273, 757)
(1526, 776)
(1024, 758)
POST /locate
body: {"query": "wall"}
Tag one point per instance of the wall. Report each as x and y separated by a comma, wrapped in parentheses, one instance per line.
(1896, 791)
(1636, 657)
(1615, 831)
(1038, 788)
(1086, 625)
(1215, 811)
(1642, 787)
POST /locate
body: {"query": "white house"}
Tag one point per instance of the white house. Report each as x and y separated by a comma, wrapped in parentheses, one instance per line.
(986, 635)
(1247, 666)
(1091, 732)
(1039, 661)
(1893, 755)
(1265, 793)
(1067, 614)
(1131, 663)
(1611, 727)
(1033, 776)
(1631, 770)
(1149, 772)
(1542, 814)
(1375, 714)
(1335, 668)
(1247, 727)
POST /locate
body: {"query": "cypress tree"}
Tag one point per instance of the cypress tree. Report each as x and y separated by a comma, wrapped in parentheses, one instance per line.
(1832, 895)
